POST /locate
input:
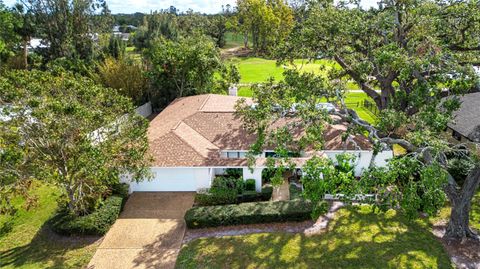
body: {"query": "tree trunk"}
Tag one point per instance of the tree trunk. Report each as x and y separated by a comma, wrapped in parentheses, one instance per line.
(245, 39)
(460, 199)
(25, 52)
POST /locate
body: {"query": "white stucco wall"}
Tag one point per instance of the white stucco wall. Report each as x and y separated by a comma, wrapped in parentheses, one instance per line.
(256, 174)
(174, 179)
(363, 158)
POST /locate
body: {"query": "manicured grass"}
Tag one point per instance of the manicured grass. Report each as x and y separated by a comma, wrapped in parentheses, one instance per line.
(356, 239)
(255, 70)
(475, 214)
(233, 40)
(26, 241)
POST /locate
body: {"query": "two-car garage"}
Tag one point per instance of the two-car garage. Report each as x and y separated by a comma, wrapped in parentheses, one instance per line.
(175, 179)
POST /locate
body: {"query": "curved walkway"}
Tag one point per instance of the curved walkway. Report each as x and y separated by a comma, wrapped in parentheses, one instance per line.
(148, 233)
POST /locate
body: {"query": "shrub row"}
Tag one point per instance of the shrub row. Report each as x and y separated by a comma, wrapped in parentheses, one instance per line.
(216, 197)
(95, 223)
(229, 196)
(248, 213)
(253, 196)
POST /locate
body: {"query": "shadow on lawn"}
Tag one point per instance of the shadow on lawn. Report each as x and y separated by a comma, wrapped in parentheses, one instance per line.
(355, 239)
(45, 247)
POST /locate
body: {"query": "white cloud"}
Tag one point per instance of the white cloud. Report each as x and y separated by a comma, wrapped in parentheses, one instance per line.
(203, 6)
(131, 6)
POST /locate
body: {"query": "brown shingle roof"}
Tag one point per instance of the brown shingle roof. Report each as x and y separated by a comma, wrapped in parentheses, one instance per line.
(192, 131)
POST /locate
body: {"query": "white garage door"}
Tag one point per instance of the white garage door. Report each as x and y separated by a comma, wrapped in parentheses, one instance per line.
(175, 179)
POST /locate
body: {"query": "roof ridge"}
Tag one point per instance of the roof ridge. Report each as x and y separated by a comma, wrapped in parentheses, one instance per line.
(204, 102)
(204, 143)
(188, 145)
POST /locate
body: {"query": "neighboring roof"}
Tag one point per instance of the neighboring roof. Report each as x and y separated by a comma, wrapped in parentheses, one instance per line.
(467, 117)
(193, 130)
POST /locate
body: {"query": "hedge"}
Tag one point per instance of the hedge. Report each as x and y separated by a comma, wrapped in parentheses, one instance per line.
(250, 184)
(95, 223)
(253, 196)
(216, 197)
(248, 213)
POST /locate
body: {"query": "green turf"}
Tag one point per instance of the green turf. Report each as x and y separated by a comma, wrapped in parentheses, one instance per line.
(26, 242)
(355, 239)
(475, 214)
(353, 100)
(255, 70)
(233, 40)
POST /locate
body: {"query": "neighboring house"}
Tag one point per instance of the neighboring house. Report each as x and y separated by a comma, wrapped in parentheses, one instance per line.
(466, 125)
(196, 138)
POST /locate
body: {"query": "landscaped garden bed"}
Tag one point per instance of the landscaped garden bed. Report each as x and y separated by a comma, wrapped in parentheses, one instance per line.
(97, 222)
(231, 189)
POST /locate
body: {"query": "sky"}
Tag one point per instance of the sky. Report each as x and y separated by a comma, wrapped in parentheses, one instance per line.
(203, 6)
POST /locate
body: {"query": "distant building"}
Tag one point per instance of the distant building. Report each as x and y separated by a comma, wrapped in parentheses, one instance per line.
(466, 126)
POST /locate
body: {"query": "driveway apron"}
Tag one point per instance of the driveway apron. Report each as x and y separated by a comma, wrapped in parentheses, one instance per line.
(148, 233)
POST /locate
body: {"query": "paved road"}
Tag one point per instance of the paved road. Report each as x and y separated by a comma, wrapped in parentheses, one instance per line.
(148, 233)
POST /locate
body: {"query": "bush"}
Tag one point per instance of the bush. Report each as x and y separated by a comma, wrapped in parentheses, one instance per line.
(250, 185)
(96, 223)
(267, 193)
(120, 189)
(217, 196)
(321, 209)
(228, 183)
(234, 172)
(248, 213)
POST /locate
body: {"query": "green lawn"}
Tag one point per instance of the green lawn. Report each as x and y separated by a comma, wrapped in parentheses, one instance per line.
(26, 242)
(233, 40)
(356, 239)
(255, 70)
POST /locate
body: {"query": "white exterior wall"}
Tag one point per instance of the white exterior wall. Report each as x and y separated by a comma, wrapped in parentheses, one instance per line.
(174, 179)
(255, 174)
(363, 158)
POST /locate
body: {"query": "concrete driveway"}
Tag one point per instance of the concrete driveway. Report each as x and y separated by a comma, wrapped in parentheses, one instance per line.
(148, 233)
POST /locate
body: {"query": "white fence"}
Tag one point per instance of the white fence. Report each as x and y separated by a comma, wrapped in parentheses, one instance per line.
(145, 110)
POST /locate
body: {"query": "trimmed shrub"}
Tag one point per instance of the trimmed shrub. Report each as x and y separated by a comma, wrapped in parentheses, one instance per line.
(96, 223)
(234, 172)
(248, 213)
(321, 209)
(217, 196)
(221, 182)
(253, 196)
(267, 193)
(120, 189)
(250, 185)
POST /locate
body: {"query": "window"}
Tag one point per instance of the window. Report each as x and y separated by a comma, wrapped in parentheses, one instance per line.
(233, 155)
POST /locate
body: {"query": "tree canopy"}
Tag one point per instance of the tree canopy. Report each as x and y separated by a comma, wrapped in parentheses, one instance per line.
(398, 54)
(66, 130)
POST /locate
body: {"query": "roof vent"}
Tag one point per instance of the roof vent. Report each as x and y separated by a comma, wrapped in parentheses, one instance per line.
(232, 90)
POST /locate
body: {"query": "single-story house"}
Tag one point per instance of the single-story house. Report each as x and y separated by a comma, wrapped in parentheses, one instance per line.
(196, 138)
(466, 125)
